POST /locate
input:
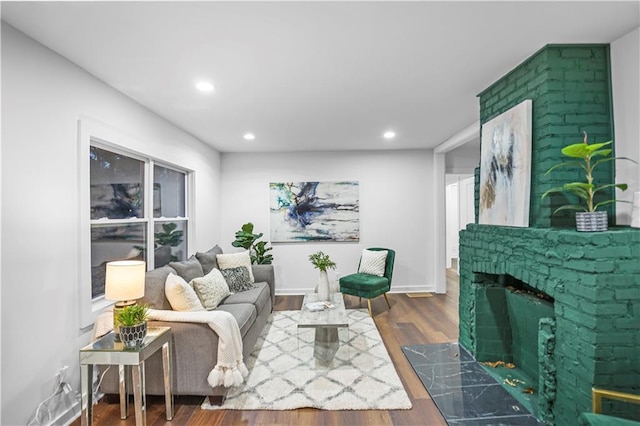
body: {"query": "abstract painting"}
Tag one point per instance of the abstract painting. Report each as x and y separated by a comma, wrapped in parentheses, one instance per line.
(505, 167)
(314, 211)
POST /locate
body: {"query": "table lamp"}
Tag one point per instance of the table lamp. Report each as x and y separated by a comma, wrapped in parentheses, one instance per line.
(124, 283)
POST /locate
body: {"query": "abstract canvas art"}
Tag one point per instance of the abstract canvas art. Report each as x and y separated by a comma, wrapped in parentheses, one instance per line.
(314, 211)
(505, 167)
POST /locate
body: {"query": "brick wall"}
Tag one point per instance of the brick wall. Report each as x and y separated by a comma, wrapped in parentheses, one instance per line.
(570, 89)
(595, 281)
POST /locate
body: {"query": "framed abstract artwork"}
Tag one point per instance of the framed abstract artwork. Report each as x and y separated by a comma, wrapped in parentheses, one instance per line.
(505, 167)
(314, 211)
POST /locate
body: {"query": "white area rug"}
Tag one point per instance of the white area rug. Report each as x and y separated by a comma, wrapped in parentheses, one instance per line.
(284, 375)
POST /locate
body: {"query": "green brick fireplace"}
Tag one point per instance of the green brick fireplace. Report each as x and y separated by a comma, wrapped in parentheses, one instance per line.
(588, 325)
(594, 280)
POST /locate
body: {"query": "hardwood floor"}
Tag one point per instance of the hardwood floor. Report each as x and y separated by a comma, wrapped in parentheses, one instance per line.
(410, 321)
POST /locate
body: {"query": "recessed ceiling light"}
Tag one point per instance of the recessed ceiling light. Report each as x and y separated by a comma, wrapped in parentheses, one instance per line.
(249, 136)
(389, 134)
(204, 86)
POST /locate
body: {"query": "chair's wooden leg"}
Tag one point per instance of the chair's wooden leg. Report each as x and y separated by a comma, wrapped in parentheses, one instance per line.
(359, 301)
(369, 303)
(385, 298)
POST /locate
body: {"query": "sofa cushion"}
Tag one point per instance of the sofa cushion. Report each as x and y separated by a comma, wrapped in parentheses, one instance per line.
(244, 313)
(208, 259)
(188, 269)
(154, 282)
(237, 279)
(234, 260)
(181, 295)
(211, 289)
(257, 296)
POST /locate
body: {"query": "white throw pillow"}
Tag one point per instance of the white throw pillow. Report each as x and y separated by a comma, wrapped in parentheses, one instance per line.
(181, 295)
(211, 289)
(373, 262)
(234, 260)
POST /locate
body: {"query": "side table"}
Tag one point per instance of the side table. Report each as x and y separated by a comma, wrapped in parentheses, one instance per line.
(105, 351)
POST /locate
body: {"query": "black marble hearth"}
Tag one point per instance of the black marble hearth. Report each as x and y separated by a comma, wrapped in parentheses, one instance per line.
(462, 389)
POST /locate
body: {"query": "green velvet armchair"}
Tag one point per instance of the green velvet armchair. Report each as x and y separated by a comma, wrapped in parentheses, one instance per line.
(368, 285)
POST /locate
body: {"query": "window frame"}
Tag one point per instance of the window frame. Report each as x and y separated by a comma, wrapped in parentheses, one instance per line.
(93, 133)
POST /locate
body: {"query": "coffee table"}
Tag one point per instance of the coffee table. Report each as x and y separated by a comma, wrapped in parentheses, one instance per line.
(326, 324)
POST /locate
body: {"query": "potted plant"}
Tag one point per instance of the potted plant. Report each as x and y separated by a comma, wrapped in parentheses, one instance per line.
(246, 239)
(588, 217)
(322, 262)
(132, 324)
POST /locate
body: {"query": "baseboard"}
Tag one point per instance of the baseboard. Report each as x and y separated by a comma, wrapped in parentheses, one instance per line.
(69, 415)
(395, 289)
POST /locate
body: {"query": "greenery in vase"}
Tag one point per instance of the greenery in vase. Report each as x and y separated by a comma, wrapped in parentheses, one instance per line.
(246, 239)
(322, 261)
(132, 315)
(591, 155)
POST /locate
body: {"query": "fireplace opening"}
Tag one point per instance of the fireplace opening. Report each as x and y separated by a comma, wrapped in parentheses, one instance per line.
(515, 339)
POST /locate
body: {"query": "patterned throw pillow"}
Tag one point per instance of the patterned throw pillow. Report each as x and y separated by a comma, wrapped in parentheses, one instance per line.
(233, 260)
(373, 262)
(211, 289)
(180, 294)
(237, 279)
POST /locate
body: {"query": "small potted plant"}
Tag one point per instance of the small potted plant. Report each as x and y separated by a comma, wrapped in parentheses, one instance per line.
(132, 324)
(322, 262)
(588, 217)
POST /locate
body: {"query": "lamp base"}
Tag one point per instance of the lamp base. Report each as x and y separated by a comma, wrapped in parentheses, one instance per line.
(117, 308)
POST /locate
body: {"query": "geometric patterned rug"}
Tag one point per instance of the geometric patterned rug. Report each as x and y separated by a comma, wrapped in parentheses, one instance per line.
(284, 375)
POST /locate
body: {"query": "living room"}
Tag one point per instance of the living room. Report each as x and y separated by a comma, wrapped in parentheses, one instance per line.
(46, 101)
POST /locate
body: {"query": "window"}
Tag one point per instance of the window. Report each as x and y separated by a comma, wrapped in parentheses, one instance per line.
(133, 206)
(169, 221)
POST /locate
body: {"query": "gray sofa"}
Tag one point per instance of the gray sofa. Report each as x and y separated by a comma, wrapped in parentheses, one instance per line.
(195, 345)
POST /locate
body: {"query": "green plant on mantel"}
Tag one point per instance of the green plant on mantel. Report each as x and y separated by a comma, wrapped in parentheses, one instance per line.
(132, 315)
(322, 261)
(591, 155)
(246, 239)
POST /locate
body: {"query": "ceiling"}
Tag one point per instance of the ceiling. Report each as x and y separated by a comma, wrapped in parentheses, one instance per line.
(313, 76)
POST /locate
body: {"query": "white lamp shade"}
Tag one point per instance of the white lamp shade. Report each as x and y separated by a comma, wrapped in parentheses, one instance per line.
(124, 280)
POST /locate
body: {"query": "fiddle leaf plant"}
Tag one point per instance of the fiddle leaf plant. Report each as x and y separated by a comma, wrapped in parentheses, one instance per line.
(246, 239)
(588, 157)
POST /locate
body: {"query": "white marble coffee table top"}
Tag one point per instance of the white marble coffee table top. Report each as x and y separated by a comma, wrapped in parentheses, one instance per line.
(333, 316)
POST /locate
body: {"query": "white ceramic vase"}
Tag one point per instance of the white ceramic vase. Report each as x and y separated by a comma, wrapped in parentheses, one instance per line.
(324, 292)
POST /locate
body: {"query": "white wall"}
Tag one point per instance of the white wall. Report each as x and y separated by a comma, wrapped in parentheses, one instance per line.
(625, 72)
(43, 96)
(396, 210)
(464, 159)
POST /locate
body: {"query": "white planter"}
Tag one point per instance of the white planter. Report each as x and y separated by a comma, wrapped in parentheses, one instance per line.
(592, 221)
(324, 292)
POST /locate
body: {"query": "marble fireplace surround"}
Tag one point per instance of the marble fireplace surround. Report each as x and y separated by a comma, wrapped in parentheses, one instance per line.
(594, 279)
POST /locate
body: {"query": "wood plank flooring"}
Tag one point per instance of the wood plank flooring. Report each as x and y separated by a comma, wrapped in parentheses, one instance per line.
(410, 321)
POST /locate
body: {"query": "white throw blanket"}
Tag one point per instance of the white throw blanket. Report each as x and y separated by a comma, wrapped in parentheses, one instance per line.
(230, 369)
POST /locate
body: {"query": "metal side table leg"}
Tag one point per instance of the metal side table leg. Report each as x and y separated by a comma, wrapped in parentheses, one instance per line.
(166, 369)
(122, 387)
(139, 396)
(86, 380)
